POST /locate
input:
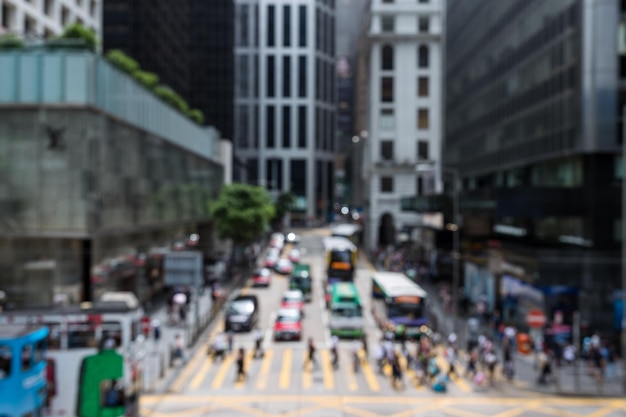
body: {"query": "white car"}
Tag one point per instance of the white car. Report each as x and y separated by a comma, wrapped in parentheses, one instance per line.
(294, 256)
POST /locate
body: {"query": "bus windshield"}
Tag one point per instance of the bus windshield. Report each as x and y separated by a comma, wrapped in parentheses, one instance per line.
(341, 256)
(346, 311)
(405, 310)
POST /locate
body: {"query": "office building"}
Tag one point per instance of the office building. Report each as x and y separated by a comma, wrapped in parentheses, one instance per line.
(284, 100)
(47, 18)
(535, 90)
(187, 43)
(404, 113)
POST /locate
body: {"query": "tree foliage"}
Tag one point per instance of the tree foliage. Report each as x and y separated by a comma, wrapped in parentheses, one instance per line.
(147, 79)
(242, 212)
(80, 32)
(122, 61)
(196, 115)
(11, 41)
(172, 98)
(283, 205)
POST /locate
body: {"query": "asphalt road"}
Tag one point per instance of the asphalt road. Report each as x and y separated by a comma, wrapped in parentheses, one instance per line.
(279, 385)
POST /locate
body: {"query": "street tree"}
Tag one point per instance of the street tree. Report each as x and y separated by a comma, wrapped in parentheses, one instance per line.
(242, 213)
(283, 205)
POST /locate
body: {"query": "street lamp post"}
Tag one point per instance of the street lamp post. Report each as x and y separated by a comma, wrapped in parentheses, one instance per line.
(427, 166)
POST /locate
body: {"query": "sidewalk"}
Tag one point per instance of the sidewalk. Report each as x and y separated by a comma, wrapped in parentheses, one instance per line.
(575, 380)
(159, 368)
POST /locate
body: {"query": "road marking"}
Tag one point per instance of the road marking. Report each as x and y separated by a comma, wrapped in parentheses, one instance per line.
(459, 381)
(202, 373)
(267, 339)
(284, 370)
(307, 376)
(327, 368)
(352, 383)
(369, 374)
(265, 370)
(190, 366)
(218, 381)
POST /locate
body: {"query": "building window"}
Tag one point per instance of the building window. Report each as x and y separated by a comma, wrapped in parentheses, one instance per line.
(422, 56)
(302, 76)
(244, 124)
(298, 178)
(92, 8)
(269, 127)
(423, 1)
(271, 29)
(387, 120)
(48, 6)
(386, 184)
(302, 127)
(386, 150)
(387, 24)
(422, 119)
(424, 24)
(286, 76)
(419, 187)
(387, 1)
(302, 25)
(242, 33)
(422, 87)
(270, 76)
(65, 16)
(386, 89)
(286, 25)
(422, 150)
(387, 57)
(286, 127)
(256, 25)
(30, 26)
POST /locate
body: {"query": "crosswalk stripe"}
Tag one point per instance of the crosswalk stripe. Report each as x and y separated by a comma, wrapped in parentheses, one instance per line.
(307, 377)
(201, 374)
(460, 382)
(352, 382)
(284, 371)
(369, 374)
(327, 367)
(265, 370)
(218, 381)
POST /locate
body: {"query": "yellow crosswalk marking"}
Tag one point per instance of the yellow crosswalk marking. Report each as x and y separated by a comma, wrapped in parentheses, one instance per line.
(460, 382)
(327, 367)
(307, 377)
(201, 374)
(218, 381)
(369, 374)
(283, 381)
(265, 370)
(246, 367)
(352, 383)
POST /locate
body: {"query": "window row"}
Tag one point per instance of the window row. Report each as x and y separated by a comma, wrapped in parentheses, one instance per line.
(274, 179)
(387, 57)
(388, 24)
(29, 24)
(387, 185)
(387, 88)
(387, 119)
(387, 150)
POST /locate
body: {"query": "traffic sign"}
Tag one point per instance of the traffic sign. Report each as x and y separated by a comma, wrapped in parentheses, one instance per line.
(183, 268)
(536, 318)
(145, 325)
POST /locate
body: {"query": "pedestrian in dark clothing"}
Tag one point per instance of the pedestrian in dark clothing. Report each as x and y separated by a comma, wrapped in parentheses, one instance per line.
(241, 372)
(310, 354)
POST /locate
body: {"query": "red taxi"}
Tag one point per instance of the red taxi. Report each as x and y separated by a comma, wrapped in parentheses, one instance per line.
(293, 299)
(288, 324)
(261, 277)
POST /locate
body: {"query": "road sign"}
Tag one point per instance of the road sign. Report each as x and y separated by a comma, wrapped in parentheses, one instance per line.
(145, 325)
(536, 318)
(183, 268)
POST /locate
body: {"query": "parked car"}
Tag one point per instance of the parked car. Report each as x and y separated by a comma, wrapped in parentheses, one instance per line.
(288, 324)
(284, 266)
(277, 240)
(271, 260)
(261, 277)
(293, 299)
(242, 313)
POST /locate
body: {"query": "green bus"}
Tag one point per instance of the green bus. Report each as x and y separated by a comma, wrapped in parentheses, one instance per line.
(301, 280)
(346, 315)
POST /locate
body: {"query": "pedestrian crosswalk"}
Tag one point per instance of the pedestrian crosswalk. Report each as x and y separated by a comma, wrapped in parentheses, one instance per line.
(285, 369)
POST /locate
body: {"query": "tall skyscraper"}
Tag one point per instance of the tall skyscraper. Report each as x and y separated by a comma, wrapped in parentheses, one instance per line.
(534, 96)
(47, 18)
(284, 99)
(188, 43)
(404, 43)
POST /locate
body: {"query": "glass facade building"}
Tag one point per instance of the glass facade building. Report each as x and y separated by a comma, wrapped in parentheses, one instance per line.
(96, 174)
(534, 93)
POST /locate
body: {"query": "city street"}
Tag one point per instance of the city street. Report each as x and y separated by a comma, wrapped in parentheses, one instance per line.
(278, 384)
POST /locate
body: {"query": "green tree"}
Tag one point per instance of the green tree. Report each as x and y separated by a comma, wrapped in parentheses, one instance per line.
(196, 115)
(242, 212)
(283, 205)
(147, 79)
(11, 41)
(172, 98)
(80, 32)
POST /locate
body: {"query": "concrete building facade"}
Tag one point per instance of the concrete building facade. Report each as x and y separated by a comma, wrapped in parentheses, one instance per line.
(285, 100)
(46, 18)
(405, 112)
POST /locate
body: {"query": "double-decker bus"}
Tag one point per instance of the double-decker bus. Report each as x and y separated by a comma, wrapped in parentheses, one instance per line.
(341, 259)
(350, 231)
(94, 354)
(346, 315)
(23, 387)
(398, 302)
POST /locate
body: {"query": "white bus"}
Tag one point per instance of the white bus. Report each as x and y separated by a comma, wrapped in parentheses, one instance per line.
(398, 302)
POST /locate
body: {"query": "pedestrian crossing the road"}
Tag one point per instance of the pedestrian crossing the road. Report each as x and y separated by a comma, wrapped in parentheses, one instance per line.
(287, 369)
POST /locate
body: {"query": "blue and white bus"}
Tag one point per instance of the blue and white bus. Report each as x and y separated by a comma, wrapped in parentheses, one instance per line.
(23, 384)
(398, 302)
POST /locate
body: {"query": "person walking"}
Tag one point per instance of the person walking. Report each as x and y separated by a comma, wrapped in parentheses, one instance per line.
(310, 354)
(179, 348)
(230, 337)
(258, 343)
(334, 350)
(241, 372)
(451, 358)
